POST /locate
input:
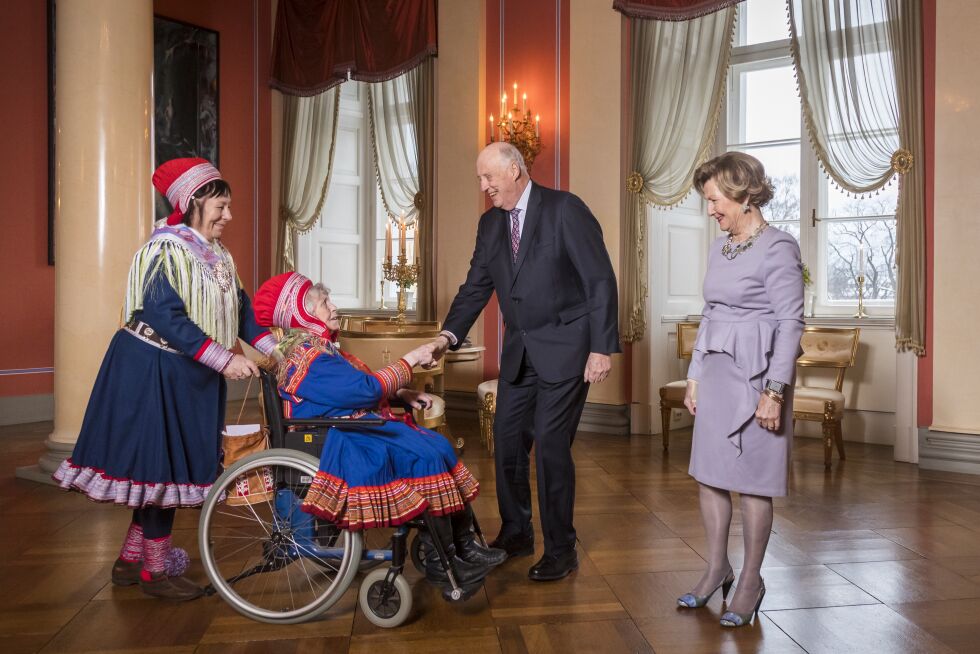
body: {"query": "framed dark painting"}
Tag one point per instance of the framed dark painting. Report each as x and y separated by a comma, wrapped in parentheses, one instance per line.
(185, 95)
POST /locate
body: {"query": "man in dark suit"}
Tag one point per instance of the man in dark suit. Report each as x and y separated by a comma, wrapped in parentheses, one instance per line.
(541, 250)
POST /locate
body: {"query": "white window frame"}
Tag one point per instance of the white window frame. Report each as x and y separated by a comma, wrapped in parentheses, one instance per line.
(813, 181)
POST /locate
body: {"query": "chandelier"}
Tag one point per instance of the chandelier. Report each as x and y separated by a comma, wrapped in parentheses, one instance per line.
(516, 127)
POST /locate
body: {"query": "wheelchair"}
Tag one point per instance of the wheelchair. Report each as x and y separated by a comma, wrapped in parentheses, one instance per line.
(274, 563)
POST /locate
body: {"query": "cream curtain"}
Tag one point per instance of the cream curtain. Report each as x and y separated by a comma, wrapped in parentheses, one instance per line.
(308, 135)
(677, 81)
(859, 66)
(402, 126)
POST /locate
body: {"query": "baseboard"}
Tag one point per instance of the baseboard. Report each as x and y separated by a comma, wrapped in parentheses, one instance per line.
(949, 451)
(601, 418)
(23, 409)
(872, 427)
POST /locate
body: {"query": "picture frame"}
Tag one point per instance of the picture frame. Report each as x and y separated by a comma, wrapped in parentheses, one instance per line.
(185, 95)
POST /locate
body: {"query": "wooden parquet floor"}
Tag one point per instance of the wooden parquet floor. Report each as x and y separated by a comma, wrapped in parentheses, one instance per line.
(872, 556)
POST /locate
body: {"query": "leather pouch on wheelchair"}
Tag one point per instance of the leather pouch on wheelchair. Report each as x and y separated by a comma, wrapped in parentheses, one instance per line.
(239, 441)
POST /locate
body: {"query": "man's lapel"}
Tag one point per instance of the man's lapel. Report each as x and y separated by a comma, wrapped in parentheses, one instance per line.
(530, 226)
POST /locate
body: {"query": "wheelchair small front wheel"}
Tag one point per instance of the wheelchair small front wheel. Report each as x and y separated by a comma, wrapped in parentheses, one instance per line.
(385, 604)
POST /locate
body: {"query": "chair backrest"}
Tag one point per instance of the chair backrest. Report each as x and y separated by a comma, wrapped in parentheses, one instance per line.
(830, 347)
(687, 334)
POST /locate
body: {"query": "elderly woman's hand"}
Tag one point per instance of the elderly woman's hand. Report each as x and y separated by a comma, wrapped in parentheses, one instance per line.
(240, 367)
(415, 399)
(691, 396)
(768, 412)
(420, 356)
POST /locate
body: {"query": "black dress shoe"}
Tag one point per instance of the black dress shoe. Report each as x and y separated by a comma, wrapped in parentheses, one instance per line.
(551, 568)
(515, 544)
(471, 551)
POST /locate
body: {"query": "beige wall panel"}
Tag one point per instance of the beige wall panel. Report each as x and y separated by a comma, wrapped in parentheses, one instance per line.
(957, 230)
(459, 137)
(594, 139)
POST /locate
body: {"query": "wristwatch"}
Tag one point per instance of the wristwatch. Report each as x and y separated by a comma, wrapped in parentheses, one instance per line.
(775, 386)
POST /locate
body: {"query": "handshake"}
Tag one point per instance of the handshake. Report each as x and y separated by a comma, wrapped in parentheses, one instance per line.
(428, 355)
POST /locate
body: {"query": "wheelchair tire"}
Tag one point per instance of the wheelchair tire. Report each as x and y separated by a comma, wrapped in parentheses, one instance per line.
(417, 550)
(264, 557)
(387, 612)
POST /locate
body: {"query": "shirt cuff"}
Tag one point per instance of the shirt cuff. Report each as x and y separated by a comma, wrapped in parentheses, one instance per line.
(214, 356)
(265, 343)
(451, 336)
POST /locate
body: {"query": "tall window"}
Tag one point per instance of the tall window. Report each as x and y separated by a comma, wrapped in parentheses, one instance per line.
(346, 247)
(836, 231)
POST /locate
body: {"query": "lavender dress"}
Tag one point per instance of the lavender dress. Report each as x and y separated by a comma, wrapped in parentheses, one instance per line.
(750, 332)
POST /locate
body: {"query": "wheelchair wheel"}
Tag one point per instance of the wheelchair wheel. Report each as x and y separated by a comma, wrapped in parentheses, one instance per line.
(385, 604)
(418, 553)
(265, 557)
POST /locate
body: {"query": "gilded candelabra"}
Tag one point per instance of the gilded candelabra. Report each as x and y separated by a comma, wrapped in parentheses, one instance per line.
(860, 312)
(405, 275)
(517, 128)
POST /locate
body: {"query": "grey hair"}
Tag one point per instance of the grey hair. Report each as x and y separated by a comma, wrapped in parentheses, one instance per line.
(508, 155)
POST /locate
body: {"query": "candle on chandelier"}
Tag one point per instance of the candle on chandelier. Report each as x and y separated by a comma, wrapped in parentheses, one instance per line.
(537, 126)
(524, 107)
(492, 129)
(388, 240)
(503, 105)
(515, 95)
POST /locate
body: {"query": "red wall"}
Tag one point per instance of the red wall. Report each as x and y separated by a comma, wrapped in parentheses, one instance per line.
(528, 43)
(26, 280)
(245, 132)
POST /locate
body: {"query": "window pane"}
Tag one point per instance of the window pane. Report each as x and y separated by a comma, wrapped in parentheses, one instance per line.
(881, 203)
(782, 164)
(770, 106)
(844, 242)
(764, 20)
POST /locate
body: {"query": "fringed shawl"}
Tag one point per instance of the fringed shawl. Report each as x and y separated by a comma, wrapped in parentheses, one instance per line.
(202, 274)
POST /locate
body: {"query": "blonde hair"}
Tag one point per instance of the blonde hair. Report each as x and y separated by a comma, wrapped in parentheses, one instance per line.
(739, 176)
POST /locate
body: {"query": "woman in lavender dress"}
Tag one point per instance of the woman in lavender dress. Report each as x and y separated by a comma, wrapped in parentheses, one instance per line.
(741, 377)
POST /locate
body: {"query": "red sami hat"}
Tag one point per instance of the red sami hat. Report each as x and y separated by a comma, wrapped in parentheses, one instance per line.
(279, 303)
(179, 179)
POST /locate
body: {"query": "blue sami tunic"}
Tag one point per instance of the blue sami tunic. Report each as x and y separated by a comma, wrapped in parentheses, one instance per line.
(152, 430)
(370, 476)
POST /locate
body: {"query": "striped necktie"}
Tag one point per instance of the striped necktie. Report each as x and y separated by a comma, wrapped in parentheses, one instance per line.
(515, 232)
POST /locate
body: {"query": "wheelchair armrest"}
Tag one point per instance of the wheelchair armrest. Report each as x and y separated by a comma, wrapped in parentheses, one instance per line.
(331, 422)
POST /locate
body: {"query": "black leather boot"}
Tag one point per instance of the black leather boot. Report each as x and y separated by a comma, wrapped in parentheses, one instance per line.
(468, 547)
(465, 572)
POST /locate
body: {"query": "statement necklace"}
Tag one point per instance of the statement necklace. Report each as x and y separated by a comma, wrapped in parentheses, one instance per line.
(730, 249)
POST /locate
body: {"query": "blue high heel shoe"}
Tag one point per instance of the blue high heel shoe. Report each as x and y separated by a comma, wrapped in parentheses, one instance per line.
(733, 619)
(692, 601)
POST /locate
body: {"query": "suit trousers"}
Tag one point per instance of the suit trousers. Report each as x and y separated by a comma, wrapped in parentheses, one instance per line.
(533, 412)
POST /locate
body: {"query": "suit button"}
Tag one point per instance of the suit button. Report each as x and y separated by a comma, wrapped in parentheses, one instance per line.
(517, 300)
(523, 333)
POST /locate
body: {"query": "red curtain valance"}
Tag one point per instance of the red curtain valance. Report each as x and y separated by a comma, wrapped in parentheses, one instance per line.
(670, 9)
(318, 41)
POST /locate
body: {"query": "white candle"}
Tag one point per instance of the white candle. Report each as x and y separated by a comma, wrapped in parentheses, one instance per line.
(537, 125)
(491, 128)
(388, 240)
(861, 259)
(524, 107)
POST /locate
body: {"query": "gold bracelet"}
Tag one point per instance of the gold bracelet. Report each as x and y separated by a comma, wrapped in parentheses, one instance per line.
(774, 396)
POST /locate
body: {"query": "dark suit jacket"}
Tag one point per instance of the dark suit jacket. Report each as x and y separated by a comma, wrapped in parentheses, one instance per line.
(559, 300)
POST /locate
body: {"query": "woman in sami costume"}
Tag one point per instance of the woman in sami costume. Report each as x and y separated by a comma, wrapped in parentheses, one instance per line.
(370, 476)
(151, 436)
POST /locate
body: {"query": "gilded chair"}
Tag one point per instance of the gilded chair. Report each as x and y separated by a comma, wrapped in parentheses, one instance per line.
(672, 394)
(834, 348)
(486, 395)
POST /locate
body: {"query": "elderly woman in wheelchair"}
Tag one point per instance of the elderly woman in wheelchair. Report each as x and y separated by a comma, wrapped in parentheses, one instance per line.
(372, 475)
